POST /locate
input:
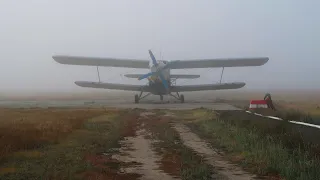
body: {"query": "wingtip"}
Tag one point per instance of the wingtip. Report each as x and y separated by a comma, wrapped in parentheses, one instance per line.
(57, 58)
(239, 84)
(266, 59)
(78, 83)
(84, 83)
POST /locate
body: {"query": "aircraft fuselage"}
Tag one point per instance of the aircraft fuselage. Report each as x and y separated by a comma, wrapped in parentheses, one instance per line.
(155, 82)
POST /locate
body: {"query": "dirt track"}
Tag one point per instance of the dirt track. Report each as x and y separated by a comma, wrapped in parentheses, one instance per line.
(192, 141)
(139, 149)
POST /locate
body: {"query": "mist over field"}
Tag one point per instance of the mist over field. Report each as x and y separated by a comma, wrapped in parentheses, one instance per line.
(32, 31)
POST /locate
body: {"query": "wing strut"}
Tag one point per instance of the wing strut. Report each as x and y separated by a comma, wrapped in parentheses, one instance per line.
(221, 74)
(98, 73)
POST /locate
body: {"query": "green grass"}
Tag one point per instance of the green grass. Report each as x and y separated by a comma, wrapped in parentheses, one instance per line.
(177, 159)
(258, 152)
(299, 113)
(65, 160)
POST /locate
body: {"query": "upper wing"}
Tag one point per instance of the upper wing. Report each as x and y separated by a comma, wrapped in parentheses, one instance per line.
(209, 63)
(124, 87)
(205, 87)
(96, 61)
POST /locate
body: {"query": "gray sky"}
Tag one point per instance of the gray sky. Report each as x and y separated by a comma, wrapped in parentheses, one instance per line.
(32, 31)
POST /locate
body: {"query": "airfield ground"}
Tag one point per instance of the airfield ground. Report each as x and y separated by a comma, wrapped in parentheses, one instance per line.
(92, 140)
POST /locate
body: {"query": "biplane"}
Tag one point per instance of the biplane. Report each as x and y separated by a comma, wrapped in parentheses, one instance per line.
(160, 81)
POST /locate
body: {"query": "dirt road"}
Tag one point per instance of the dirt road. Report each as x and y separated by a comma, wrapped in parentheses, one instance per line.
(193, 141)
(141, 150)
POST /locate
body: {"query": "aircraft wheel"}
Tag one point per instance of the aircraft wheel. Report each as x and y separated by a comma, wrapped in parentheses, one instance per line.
(182, 98)
(161, 97)
(136, 99)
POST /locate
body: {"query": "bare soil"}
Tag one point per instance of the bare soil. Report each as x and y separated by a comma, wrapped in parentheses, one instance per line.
(224, 167)
(138, 148)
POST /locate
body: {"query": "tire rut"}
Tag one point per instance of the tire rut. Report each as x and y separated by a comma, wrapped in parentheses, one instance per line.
(193, 141)
(138, 149)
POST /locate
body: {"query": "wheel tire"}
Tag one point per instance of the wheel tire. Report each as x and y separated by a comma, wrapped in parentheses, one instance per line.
(182, 98)
(136, 99)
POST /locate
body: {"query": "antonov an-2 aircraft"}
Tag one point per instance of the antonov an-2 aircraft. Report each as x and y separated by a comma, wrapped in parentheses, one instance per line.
(160, 81)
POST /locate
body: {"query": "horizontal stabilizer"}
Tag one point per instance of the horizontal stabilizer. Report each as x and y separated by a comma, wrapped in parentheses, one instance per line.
(174, 76)
(96, 61)
(206, 87)
(184, 76)
(133, 75)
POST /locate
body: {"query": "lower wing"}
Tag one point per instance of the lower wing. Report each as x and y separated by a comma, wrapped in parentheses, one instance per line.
(125, 87)
(205, 87)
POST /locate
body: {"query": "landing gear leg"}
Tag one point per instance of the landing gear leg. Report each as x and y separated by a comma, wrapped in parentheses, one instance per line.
(161, 97)
(137, 97)
(179, 97)
(182, 98)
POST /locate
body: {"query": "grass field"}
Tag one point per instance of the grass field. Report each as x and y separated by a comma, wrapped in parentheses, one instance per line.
(60, 153)
(130, 144)
(83, 144)
(23, 129)
(293, 110)
(260, 149)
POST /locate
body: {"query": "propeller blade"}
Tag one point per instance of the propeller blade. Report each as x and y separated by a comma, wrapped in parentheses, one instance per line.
(164, 82)
(154, 61)
(146, 75)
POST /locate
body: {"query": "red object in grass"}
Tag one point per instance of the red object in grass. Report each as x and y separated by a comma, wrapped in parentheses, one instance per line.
(254, 104)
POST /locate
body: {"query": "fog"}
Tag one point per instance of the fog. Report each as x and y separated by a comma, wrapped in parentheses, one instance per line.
(32, 31)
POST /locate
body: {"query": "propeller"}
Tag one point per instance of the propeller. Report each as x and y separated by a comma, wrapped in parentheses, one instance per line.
(164, 82)
(154, 61)
(158, 72)
(146, 75)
